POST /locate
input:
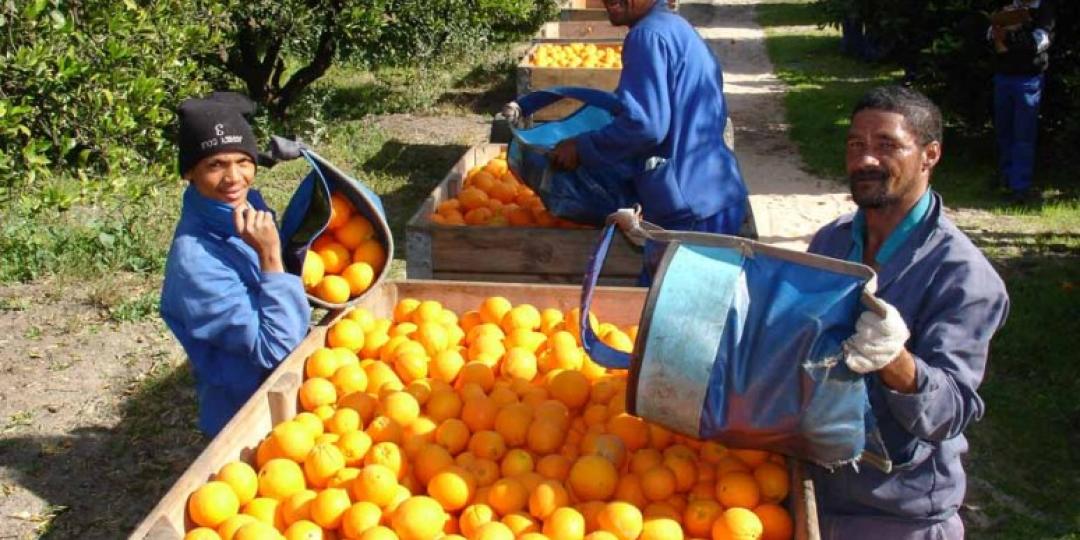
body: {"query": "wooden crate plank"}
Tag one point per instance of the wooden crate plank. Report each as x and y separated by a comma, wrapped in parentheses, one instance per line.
(587, 31)
(561, 279)
(527, 251)
(531, 78)
(584, 15)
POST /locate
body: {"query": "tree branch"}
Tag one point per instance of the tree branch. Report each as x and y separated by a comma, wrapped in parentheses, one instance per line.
(321, 60)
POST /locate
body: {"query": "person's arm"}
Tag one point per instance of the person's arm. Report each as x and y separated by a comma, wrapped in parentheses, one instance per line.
(645, 95)
(931, 387)
(1038, 39)
(263, 324)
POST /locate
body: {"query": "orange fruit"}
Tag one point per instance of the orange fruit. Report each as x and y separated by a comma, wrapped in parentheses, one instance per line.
(419, 518)
(360, 517)
(487, 445)
(442, 405)
(473, 517)
(547, 497)
(404, 308)
(565, 523)
(378, 533)
(553, 466)
(479, 414)
(601, 535)
(737, 524)
(341, 209)
(376, 484)
(313, 271)
(328, 506)
(372, 252)
(493, 308)
(520, 524)
(452, 434)
(348, 379)
(593, 478)
(401, 407)
(361, 402)
(507, 496)
(738, 489)
(729, 464)
(431, 460)
(632, 430)
(265, 510)
(297, 507)
(241, 478)
(772, 479)
(628, 489)
(315, 392)
(446, 365)
(622, 519)
(304, 530)
(227, 530)
(485, 471)
(355, 230)
(343, 478)
(495, 530)
(359, 275)
(699, 517)
(389, 455)
(280, 478)
(524, 316)
(516, 462)
(519, 363)
(606, 446)
(570, 387)
(212, 504)
(472, 198)
(776, 523)
(335, 257)
(256, 530)
(322, 463)
(684, 470)
(545, 436)
(661, 529)
(333, 289)
(645, 459)
(512, 422)
(453, 488)
(346, 333)
(202, 533)
(322, 363)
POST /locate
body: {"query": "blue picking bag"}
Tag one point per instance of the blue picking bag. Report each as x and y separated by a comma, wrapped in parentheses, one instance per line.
(585, 195)
(308, 214)
(740, 342)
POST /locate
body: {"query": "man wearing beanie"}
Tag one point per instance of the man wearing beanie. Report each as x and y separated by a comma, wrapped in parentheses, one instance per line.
(226, 296)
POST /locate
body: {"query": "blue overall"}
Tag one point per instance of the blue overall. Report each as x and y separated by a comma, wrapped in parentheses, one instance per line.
(235, 322)
(671, 90)
(953, 302)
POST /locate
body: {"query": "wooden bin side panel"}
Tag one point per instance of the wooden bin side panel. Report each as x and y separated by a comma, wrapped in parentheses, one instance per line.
(569, 31)
(273, 402)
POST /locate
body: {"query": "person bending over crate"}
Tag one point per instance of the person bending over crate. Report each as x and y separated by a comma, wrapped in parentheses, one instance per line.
(226, 296)
(673, 115)
(925, 357)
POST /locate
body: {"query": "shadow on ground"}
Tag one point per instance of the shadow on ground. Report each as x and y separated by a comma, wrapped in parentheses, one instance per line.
(101, 482)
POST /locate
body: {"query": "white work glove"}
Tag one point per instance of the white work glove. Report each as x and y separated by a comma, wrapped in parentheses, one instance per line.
(512, 113)
(878, 339)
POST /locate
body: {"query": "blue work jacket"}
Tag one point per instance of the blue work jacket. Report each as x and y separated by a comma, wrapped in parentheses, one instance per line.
(953, 301)
(673, 107)
(235, 322)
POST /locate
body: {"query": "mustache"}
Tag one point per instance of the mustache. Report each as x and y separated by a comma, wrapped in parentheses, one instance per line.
(879, 175)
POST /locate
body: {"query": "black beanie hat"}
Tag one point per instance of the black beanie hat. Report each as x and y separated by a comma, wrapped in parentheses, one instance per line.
(213, 125)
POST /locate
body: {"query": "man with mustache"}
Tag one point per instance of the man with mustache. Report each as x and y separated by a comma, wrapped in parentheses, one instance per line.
(673, 110)
(925, 357)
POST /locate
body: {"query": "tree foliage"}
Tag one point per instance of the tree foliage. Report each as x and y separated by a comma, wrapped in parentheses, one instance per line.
(90, 85)
(279, 47)
(942, 46)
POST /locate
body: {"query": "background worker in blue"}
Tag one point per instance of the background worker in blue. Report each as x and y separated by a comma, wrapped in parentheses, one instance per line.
(1020, 62)
(226, 295)
(671, 90)
(925, 358)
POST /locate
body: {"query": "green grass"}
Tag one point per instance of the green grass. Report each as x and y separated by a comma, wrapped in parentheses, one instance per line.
(1025, 446)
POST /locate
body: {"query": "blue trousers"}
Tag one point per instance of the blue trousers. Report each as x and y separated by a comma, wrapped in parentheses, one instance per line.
(727, 221)
(1016, 122)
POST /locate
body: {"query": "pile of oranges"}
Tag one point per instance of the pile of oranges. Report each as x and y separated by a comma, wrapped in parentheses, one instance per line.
(578, 55)
(492, 196)
(491, 425)
(345, 259)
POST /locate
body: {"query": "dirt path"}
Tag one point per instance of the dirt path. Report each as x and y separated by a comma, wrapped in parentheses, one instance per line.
(789, 204)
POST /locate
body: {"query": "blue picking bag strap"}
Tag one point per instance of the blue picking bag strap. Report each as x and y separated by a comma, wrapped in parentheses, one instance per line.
(600, 352)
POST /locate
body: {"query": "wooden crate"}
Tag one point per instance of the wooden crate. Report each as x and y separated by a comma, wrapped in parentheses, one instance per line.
(505, 254)
(531, 77)
(276, 399)
(571, 31)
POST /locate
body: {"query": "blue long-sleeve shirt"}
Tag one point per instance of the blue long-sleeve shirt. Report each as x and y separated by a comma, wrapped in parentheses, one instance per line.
(235, 322)
(953, 302)
(671, 89)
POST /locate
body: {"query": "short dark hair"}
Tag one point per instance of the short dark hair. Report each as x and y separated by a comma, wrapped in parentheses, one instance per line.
(921, 114)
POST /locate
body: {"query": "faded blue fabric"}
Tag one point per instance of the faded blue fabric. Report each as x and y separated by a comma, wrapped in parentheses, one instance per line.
(235, 322)
(673, 107)
(953, 301)
(1016, 124)
(903, 230)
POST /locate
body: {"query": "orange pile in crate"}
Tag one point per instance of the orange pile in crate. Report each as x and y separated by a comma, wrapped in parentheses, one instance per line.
(577, 55)
(492, 196)
(345, 259)
(491, 425)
